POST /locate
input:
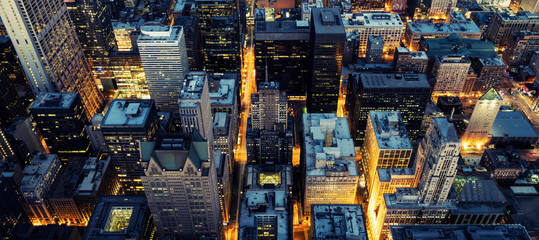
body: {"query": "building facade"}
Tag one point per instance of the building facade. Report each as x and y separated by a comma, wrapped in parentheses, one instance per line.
(387, 25)
(450, 72)
(503, 26)
(483, 116)
(195, 109)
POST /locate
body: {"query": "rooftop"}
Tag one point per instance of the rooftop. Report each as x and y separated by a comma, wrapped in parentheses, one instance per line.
(372, 19)
(413, 55)
(93, 173)
(512, 124)
(391, 80)
(494, 61)
(447, 129)
(54, 101)
(67, 182)
(519, 16)
(386, 174)
(390, 130)
(124, 112)
(481, 191)
(338, 221)
(327, 21)
(491, 94)
(270, 205)
(327, 138)
(440, 27)
(36, 170)
(193, 86)
(219, 120)
(277, 177)
(282, 30)
(458, 232)
(152, 31)
(225, 93)
(502, 158)
(455, 44)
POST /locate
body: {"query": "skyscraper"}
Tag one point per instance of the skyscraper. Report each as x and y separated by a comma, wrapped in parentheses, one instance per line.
(375, 49)
(438, 153)
(12, 213)
(11, 77)
(49, 50)
(194, 103)
(181, 187)
(91, 20)
(326, 51)
(164, 58)
(386, 145)
(405, 93)
(127, 123)
(329, 158)
(61, 120)
(483, 116)
(219, 26)
(281, 54)
(269, 107)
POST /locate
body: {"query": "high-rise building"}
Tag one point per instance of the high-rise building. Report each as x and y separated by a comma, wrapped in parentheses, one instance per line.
(52, 57)
(129, 74)
(483, 116)
(503, 26)
(520, 48)
(269, 107)
(121, 218)
(281, 54)
(181, 186)
(326, 51)
(351, 47)
(164, 58)
(195, 109)
(406, 61)
(127, 123)
(450, 72)
(386, 145)
(193, 42)
(490, 73)
(222, 134)
(224, 98)
(375, 49)
(387, 25)
(344, 221)
(36, 184)
(329, 158)
(440, 8)
(223, 167)
(91, 20)
(438, 153)
(23, 130)
(11, 77)
(61, 120)
(220, 29)
(405, 93)
(12, 213)
(417, 30)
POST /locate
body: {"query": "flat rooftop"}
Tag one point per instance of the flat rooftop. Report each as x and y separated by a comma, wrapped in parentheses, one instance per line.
(54, 101)
(225, 93)
(447, 129)
(438, 28)
(392, 80)
(390, 130)
(519, 16)
(33, 172)
(67, 181)
(338, 221)
(282, 30)
(261, 206)
(372, 19)
(193, 86)
(458, 232)
(327, 21)
(512, 124)
(124, 112)
(494, 61)
(156, 32)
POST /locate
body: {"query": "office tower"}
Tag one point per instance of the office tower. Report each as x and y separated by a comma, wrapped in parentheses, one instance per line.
(127, 123)
(223, 168)
(126, 32)
(97, 178)
(439, 153)
(266, 210)
(344, 221)
(520, 48)
(61, 120)
(281, 50)
(387, 25)
(450, 72)
(483, 116)
(61, 199)
(129, 75)
(331, 174)
(351, 47)
(190, 208)
(222, 137)
(12, 213)
(503, 26)
(193, 45)
(129, 215)
(36, 184)
(164, 58)
(490, 73)
(91, 20)
(386, 145)
(11, 78)
(326, 50)
(440, 8)
(407, 61)
(194, 103)
(269, 107)
(224, 97)
(415, 31)
(95, 134)
(375, 49)
(23, 130)
(220, 29)
(52, 58)
(405, 93)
